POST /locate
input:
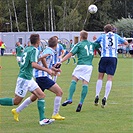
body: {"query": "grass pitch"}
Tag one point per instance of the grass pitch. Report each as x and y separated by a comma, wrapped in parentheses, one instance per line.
(116, 117)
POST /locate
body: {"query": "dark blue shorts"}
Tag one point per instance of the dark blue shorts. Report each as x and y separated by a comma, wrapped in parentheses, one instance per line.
(44, 82)
(66, 53)
(108, 65)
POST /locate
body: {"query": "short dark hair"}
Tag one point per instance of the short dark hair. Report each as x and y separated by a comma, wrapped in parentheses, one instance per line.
(52, 42)
(56, 37)
(34, 38)
(108, 28)
(129, 41)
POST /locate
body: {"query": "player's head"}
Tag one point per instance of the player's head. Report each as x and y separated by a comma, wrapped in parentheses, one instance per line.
(129, 41)
(35, 39)
(108, 28)
(71, 40)
(17, 43)
(114, 29)
(56, 37)
(83, 35)
(52, 42)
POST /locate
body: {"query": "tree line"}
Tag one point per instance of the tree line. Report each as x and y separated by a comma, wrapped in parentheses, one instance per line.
(61, 15)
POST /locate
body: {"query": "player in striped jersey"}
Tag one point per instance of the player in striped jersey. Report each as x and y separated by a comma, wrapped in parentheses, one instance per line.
(26, 83)
(44, 80)
(58, 56)
(109, 44)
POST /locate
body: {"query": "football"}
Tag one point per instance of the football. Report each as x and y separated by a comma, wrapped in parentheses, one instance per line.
(92, 9)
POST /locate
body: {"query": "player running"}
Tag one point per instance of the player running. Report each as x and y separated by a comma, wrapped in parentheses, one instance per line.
(85, 53)
(25, 82)
(45, 81)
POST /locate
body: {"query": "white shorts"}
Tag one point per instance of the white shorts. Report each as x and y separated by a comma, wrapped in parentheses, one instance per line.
(23, 85)
(19, 58)
(83, 72)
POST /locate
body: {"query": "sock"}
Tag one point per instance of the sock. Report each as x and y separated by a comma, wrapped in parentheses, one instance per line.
(57, 102)
(72, 89)
(74, 60)
(98, 86)
(83, 93)
(68, 60)
(41, 108)
(6, 101)
(108, 88)
(24, 104)
(19, 64)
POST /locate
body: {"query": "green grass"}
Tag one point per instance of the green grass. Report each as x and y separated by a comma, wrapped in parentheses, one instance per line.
(116, 117)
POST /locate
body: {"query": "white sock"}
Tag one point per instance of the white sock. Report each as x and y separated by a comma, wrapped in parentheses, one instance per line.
(23, 105)
(98, 86)
(108, 88)
(57, 102)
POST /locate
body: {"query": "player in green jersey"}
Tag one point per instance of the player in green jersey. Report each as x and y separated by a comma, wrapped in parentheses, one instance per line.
(19, 52)
(85, 53)
(25, 81)
(73, 57)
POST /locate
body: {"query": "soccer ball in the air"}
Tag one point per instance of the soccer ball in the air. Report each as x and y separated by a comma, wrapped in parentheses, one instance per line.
(92, 9)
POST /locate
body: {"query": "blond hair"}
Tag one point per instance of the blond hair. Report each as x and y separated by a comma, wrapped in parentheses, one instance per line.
(84, 34)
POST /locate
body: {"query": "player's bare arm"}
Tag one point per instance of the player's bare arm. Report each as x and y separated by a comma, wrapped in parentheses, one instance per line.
(44, 62)
(66, 57)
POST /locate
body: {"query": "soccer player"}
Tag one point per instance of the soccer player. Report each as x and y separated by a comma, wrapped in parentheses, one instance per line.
(19, 52)
(108, 62)
(85, 53)
(58, 56)
(25, 82)
(44, 81)
(73, 57)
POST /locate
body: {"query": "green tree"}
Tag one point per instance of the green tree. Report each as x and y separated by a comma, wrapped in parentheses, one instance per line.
(124, 26)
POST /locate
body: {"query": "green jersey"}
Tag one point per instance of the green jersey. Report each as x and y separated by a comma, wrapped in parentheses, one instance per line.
(19, 50)
(71, 46)
(85, 52)
(30, 55)
(64, 46)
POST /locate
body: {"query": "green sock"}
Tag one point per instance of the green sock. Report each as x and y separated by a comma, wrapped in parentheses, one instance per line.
(6, 101)
(72, 89)
(68, 60)
(83, 93)
(41, 108)
(74, 60)
(19, 64)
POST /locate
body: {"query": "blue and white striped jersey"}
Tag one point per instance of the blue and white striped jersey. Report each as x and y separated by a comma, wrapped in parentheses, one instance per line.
(58, 50)
(109, 44)
(49, 60)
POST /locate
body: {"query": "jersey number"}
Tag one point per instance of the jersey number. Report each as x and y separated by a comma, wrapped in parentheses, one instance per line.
(89, 51)
(110, 41)
(23, 58)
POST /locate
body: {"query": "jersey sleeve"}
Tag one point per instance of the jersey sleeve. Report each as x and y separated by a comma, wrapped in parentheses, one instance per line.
(99, 39)
(74, 49)
(34, 55)
(120, 40)
(61, 47)
(96, 45)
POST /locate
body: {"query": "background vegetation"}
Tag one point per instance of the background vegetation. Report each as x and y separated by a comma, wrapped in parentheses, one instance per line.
(62, 15)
